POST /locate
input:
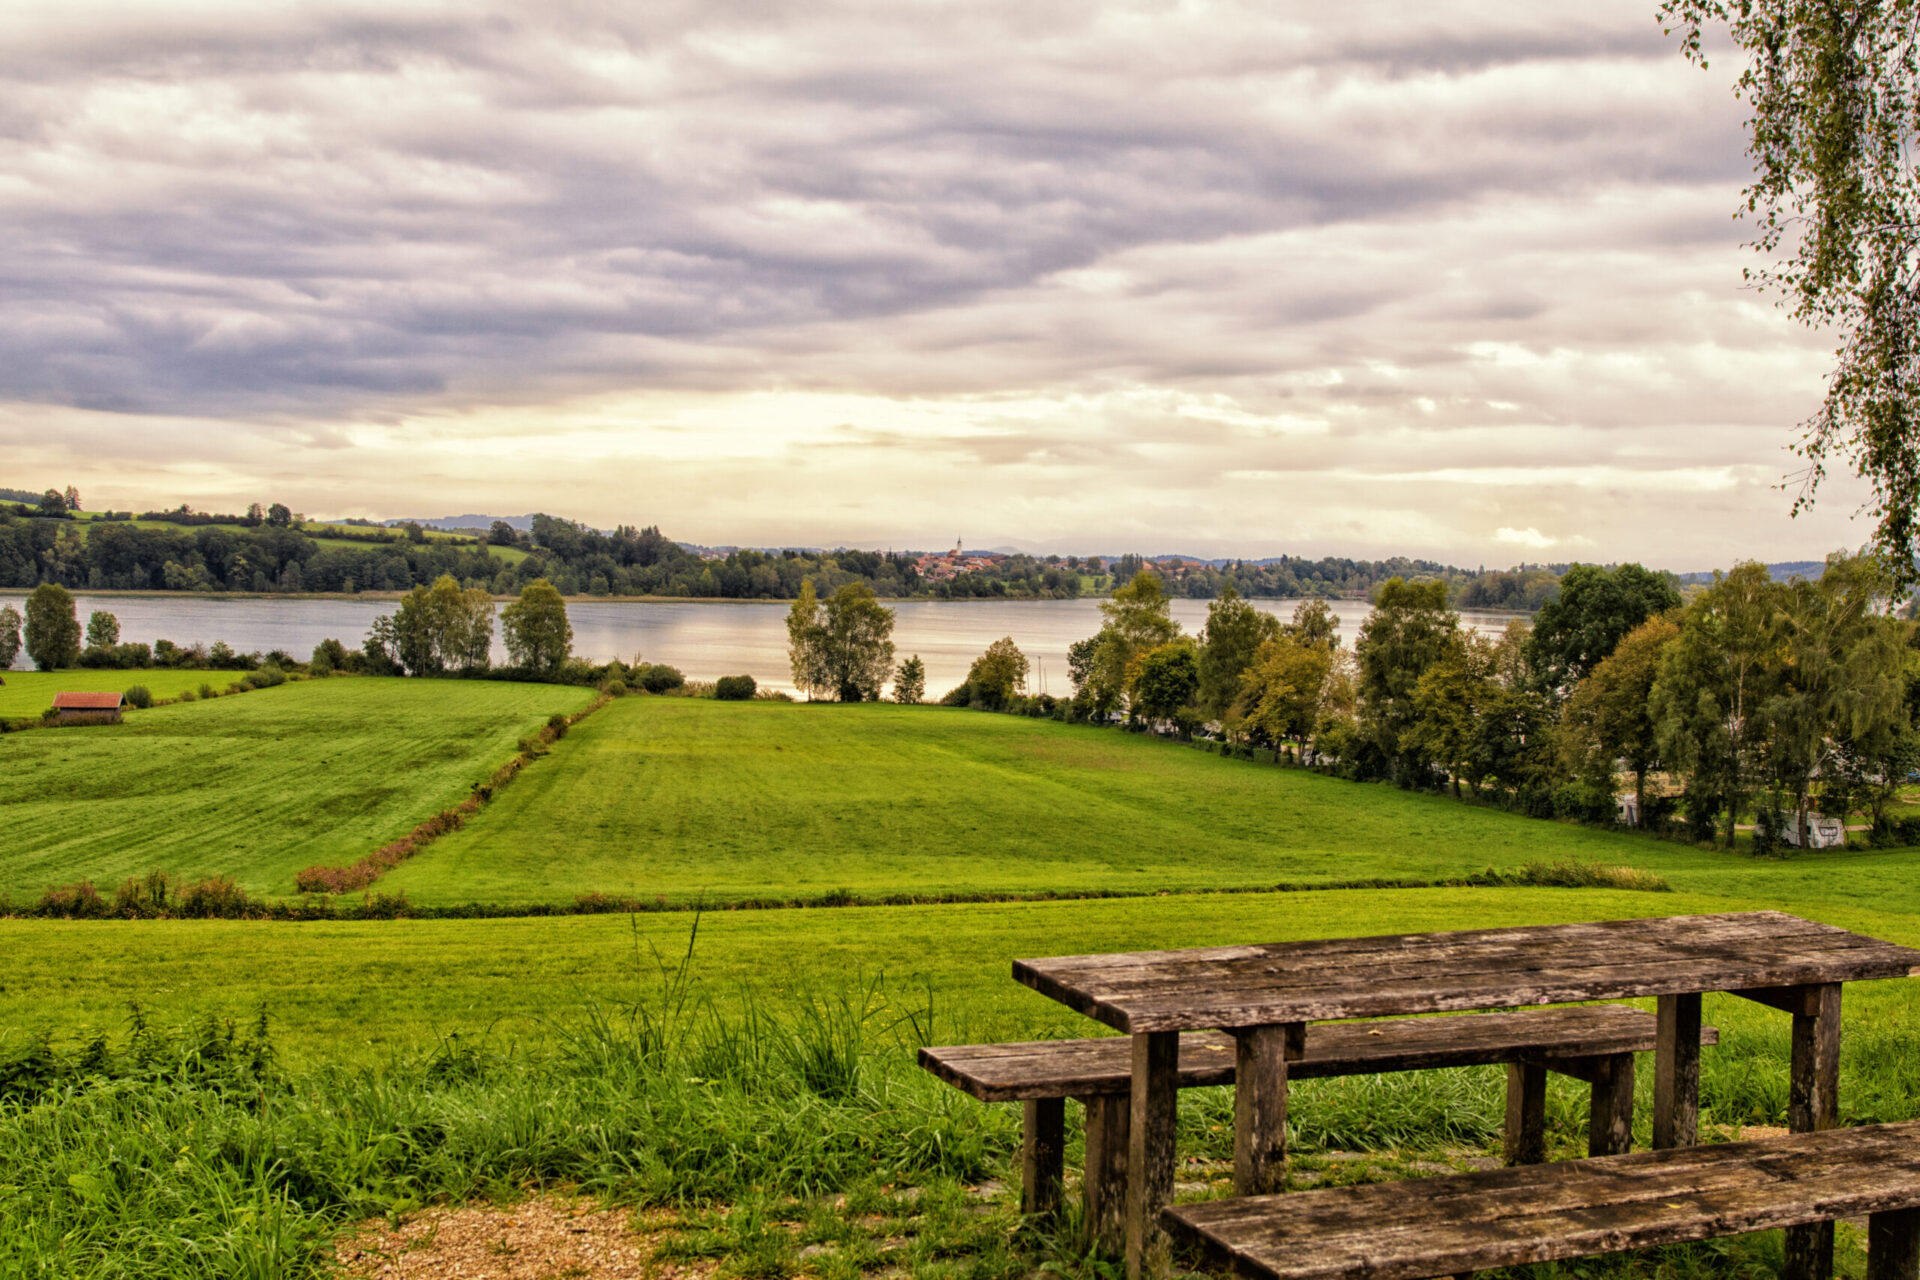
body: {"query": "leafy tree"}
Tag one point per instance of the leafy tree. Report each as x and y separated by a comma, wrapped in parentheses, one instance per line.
(535, 628)
(1234, 632)
(1449, 699)
(1844, 676)
(843, 647)
(1169, 679)
(502, 534)
(1411, 628)
(1833, 108)
(1712, 684)
(1608, 716)
(806, 653)
(103, 630)
(463, 623)
(1575, 631)
(1280, 691)
(910, 681)
(256, 514)
(1874, 767)
(1139, 619)
(72, 498)
(53, 629)
(279, 516)
(52, 503)
(10, 623)
(328, 655)
(1315, 624)
(856, 643)
(997, 675)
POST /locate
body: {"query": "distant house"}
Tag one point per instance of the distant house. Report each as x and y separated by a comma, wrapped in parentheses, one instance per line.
(104, 707)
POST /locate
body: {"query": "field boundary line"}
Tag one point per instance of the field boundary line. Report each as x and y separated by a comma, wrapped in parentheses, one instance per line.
(80, 902)
(364, 871)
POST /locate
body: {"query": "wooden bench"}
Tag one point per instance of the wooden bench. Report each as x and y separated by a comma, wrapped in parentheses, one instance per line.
(1595, 1043)
(1462, 1223)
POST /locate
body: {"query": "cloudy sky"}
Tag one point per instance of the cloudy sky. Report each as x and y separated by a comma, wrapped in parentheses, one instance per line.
(1452, 279)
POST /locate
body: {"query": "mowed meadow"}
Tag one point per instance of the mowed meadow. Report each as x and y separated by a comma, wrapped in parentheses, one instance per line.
(689, 800)
(253, 786)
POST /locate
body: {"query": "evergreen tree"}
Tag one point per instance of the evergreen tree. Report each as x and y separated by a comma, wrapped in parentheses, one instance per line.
(910, 681)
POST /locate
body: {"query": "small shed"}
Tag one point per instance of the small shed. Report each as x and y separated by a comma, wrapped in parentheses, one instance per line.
(104, 707)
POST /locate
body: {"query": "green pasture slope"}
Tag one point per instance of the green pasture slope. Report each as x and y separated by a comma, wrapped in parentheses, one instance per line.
(696, 800)
(254, 786)
(29, 693)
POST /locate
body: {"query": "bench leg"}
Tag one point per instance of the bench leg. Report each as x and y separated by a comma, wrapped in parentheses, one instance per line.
(1526, 1113)
(1260, 1109)
(1104, 1188)
(1893, 1245)
(1676, 1072)
(1043, 1155)
(1155, 1108)
(1610, 1113)
(1813, 1103)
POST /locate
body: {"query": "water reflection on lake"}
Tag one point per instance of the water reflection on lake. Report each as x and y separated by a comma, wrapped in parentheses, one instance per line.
(705, 641)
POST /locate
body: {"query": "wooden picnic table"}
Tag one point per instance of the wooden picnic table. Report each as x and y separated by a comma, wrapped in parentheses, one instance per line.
(1265, 995)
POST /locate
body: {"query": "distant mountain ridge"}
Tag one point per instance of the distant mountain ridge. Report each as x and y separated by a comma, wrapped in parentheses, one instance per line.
(469, 521)
(1784, 571)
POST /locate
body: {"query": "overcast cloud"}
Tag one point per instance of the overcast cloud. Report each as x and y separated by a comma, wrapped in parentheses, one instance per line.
(1456, 280)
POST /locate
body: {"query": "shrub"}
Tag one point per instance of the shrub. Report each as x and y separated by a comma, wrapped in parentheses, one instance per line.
(657, 677)
(558, 724)
(735, 688)
(616, 689)
(74, 902)
(140, 696)
(207, 690)
(328, 655)
(959, 696)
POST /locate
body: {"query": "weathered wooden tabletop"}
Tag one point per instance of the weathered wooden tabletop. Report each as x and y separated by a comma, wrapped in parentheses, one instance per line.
(1284, 982)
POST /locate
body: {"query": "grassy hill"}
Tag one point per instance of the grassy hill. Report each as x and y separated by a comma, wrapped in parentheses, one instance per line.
(688, 799)
(253, 787)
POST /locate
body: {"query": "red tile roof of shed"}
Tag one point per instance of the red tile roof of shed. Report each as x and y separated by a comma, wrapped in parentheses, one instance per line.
(86, 701)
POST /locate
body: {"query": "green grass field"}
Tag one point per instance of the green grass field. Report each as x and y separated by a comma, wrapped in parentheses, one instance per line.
(28, 693)
(459, 1060)
(257, 786)
(689, 799)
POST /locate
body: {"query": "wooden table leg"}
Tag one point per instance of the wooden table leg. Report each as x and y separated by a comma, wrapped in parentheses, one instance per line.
(1526, 1113)
(1104, 1190)
(1610, 1113)
(1676, 1072)
(1154, 1104)
(1260, 1107)
(1043, 1155)
(1813, 1103)
(1893, 1245)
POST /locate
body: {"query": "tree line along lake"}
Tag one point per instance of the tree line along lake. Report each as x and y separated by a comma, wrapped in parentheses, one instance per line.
(704, 639)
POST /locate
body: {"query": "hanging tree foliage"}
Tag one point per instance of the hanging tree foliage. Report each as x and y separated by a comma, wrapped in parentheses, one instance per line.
(1831, 86)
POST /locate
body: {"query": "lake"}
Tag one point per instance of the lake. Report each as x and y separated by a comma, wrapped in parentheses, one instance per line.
(705, 640)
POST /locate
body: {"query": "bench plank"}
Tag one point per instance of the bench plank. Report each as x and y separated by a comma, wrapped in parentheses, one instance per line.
(1542, 1213)
(1455, 971)
(1086, 1068)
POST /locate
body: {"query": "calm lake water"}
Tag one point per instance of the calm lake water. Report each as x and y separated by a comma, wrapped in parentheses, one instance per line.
(705, 641)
